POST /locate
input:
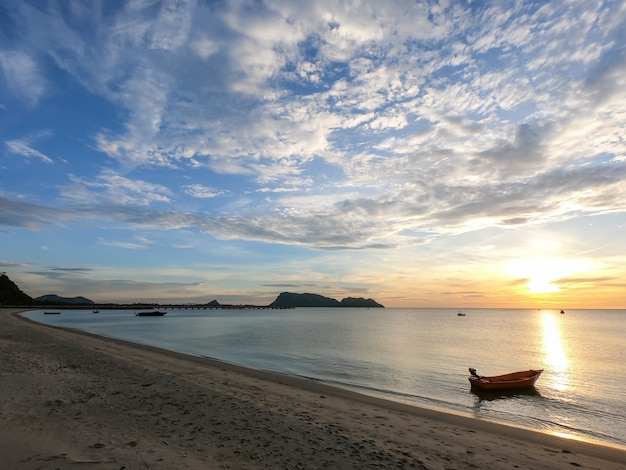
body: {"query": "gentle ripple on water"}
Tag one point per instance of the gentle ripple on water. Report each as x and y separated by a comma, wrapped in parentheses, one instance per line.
(417, 356)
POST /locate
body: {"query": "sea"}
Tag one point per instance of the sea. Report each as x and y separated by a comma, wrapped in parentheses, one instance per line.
(415, 356)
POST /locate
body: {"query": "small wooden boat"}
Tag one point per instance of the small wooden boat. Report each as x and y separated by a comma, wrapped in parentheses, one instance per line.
(522, 379)
(52, 313)
(154, 313)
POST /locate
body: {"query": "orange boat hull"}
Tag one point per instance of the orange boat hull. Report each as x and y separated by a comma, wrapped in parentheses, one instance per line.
(522, 379)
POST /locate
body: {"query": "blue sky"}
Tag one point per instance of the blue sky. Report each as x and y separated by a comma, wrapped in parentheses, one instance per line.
(423, 153)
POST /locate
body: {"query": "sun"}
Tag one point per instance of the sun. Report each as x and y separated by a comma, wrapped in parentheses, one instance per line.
(543, 274)
(540, 285)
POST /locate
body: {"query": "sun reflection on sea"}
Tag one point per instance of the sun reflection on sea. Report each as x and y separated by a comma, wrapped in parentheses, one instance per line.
(555, 352)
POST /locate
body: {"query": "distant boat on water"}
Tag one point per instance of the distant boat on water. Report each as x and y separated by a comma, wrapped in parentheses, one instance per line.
(52, 313)
(460, 314)
(514, 380)
(562, 312)
(154, 313)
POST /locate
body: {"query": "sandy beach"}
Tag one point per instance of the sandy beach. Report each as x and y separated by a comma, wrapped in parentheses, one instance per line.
(75, 400)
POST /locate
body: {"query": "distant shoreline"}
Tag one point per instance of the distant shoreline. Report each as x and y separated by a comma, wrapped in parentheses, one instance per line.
(11, 296)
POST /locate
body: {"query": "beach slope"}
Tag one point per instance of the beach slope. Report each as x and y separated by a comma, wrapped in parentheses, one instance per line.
(74, 400)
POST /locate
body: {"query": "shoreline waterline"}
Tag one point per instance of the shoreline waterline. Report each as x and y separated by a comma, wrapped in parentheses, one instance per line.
(575, 443)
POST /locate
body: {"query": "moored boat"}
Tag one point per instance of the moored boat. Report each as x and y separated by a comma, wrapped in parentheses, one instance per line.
(52, 313)
(155, 313)
(521, 379)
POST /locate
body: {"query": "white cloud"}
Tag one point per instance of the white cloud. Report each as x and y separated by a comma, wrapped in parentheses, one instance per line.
(114, 189)
(204, 47)
(202, 192)
(22, 147)
(23, 76)
(25, 145)
(121, 244)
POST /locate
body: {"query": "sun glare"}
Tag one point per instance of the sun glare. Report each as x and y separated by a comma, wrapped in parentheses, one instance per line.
(543, 274)
(542, 286)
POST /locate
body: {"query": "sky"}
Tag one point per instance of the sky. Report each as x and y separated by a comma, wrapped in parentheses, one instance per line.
(421, 153)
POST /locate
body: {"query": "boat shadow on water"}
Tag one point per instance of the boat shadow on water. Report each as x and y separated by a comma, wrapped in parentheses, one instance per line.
(510, 402)
(484, 395)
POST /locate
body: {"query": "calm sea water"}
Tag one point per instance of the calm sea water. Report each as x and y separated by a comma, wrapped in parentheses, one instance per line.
(418, 356)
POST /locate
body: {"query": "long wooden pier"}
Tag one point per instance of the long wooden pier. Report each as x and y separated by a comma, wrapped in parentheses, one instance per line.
(141, 306)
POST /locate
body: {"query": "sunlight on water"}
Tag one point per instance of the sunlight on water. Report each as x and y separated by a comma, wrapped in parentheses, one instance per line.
(555, 352)
(566, 435)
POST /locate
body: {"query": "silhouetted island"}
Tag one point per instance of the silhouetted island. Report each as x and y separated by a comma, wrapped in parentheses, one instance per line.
(291, 300)
(10, 294)
(57, 299)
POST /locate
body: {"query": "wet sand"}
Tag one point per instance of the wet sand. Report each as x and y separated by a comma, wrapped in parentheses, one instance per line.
(75, 400)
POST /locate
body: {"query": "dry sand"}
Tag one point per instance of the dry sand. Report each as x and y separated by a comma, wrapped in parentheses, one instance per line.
(73, 400)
